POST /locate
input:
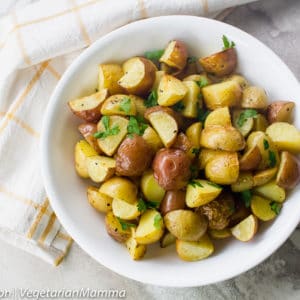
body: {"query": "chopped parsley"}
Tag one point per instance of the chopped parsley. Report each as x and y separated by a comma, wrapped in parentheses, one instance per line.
(202, 82)
(125, 105)
(195, 183)
(202, 114)
(108, 131)
(196, 151)
(125, 225)
(246, 197)
(144, 205)
(154, 55)
(194, 171)
(227, 44)
(136, 126)
(151, 100)
(272, 159)
(214, 184)
(157, 221)
(245, 115)
(276, 207)
(191, 59)
(178, 106)
(266, 144)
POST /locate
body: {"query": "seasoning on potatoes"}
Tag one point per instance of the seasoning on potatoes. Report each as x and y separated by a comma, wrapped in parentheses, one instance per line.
(136, 250)
(280, 111)
(241, 80)
(88, 130)
(172, 200)
(254, 97)
(171, 168)
(182, 143)
(109, 75)
(99, 201)
(118, 104)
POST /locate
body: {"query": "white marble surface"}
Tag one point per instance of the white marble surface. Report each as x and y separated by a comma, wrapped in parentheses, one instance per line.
(276, 23)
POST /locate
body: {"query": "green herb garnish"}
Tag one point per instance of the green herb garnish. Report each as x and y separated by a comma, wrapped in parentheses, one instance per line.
(191, 59)
(214, 184)
(202, 114)
(196, 151)
(125, 105)
(276, 207)
(246, 197)
(178, 106)
(157, 221)
(195, 183)
(125, 225)
(227, 44)
(266, 144)
(194, 171)
(151, 100)
(136, 127)
(108, 131)
(154, 55)
(202, 82)
(246, 114)
(272, 159)
(143, 205)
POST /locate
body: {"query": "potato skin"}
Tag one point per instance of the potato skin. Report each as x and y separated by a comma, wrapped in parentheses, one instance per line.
(254, 97)
(280, 111)
(88, 130)
(171, 168)
(173, 200)
(133, 156)
(182, 143)
(220, 64)
(218, 211)
(251, 159)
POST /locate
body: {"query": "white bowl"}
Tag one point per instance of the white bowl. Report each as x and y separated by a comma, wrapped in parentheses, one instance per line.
(67, 192)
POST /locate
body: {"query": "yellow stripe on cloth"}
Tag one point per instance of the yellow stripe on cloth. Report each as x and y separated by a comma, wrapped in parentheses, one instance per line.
(48, 228)
(204, 4)
(143, 11)
(63, 254)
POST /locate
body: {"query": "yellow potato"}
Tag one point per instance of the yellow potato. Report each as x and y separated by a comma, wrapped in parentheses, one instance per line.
(152, 139)
(170, 91)
(118, 105)
(150, 188)
(120, 188)
(98, 200)
(244, 182)
(167, 240)
(218, 137)
(110, 144)
(193, 133)
(271, 191)
(109, 75)
(193, 251)
(125, 210)
(207, 155)
(83, 150)
(227, 93)
(264, 176)
(191, 100)
(246, 229)
(139, 105)
(254, 97)
(136, 250)
(242, 81)
(220, 116)
(100, 168)
(201, 192)
(88, 130)
(247, 125)
(251, 159)
(158, 76)
(198, 78)
(261, 208)
(150, 228)
(260, 123)
(285, 136)
(219, 234)
(280, 111)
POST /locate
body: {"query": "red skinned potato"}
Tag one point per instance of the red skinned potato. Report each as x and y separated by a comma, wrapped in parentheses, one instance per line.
(182, 143)
(280, 111)
(133, 156)
(172, 200)
(171, 168)
(88, 130)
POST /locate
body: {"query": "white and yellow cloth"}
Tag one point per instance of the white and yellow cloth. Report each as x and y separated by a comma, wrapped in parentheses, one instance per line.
(37, 43)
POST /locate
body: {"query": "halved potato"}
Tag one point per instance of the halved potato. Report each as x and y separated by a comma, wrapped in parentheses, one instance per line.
(139, 76)
(260, 123)
(109, 75)
(219, 234)
(201, 192)
(226, 93)
(280, 111)
(139, 105)
(152, 139)
(191, 100)
(251, 159)
(98, 200)
(220, 64)
(261, 208)
(170, 91)
(241, 80)
(175, 55)
(207, 155)
(118, 104)
(193, 251)
(125, 210)
(88, 108)
(271, 191)
(158, 76)
(88, 130)
(254, 97)
(246, 229)
(110, 144)
(100, 168)
(167, 240)
(83, 150)
(150, 187)
(136, 250)
(264, 176)
(247, 125)
(120, 188)
(193, 133)
(289, 171)
(218, 137)
(202, 77)
(285, 136)
(220, 116)
(243, 183)
(150, 228)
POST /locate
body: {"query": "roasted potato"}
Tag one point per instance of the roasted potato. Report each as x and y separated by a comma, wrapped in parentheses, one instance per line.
(244, 182)
(246, 229)
(110, 143)
(288, 175)
(191, 101)
(150, 187)
(218, 211)
(207, 155)
(125, 210)
(133, 157)
(175, 55)
(118, 104)
(260, 123)
(218, 137)
(219, 234)
(220, 64)
(167, 239)
(88, 108)
(139, 76)
(172, 200)
(190, 69)
(199, 78)
(246, 126)
(261, 208)
(100, 168)
(254, 97)
(193, 133)
(88, 130)
(241, 80)
(150, 228)
(200, 192)
(182, 143)
(171, 168)
(280, 111)
(220, 116)
(139, 105)
(241, 212)
(109, 75)
(186, 225)
(114, 228)
(158, 76)
(136, 250)
(271, 191)
(152, 139)
(98, 200)
(120, 188)
(83, 150)
(227, 93)
(250, 159)
(285, 136)
(170, 91)
(262, 177)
